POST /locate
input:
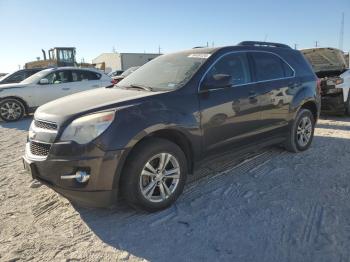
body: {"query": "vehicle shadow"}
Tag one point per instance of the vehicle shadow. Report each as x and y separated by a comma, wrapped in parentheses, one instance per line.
(253, 210)
(22, 124)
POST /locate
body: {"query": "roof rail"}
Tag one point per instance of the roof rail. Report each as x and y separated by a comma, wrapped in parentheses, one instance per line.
(266, 44)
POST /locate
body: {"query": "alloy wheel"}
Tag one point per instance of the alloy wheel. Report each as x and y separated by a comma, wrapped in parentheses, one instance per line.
(304, 131)
(160, 177)
(11, 110)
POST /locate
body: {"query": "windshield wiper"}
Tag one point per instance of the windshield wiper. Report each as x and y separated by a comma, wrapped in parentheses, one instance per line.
(140, 87)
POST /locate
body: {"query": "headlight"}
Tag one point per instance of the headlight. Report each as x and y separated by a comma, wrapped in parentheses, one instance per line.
(84, 129)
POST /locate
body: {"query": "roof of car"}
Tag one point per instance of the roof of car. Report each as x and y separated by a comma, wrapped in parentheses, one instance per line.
(72, 67)
(245, 45)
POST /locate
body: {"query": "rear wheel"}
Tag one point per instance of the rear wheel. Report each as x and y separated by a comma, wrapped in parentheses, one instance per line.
(154, 175)
(11, 109)
(301, 132)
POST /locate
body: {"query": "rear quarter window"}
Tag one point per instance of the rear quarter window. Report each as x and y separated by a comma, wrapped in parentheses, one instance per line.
(268, 66)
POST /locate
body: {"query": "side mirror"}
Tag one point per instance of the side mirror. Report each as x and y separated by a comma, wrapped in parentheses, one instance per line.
(217, 81)
(44, 81)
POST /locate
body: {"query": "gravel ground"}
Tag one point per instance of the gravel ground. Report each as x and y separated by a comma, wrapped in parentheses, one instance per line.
(273, 206)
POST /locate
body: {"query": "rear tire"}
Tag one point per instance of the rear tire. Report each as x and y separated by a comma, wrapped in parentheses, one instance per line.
(154, 175)
(301, 132)
(11, 109)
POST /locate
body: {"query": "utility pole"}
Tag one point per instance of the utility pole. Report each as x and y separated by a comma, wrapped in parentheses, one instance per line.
(207, 44)
(295, 46)
(159, 49)
(265, 38)
(316, 43)
(341, 35)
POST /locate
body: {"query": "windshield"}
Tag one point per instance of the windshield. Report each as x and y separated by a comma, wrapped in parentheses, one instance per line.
(4, 76)
(129, 71)
(36, 77)
(166, 72)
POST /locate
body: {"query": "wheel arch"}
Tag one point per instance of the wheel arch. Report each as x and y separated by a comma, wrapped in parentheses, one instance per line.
(171, 134)
(312, 106)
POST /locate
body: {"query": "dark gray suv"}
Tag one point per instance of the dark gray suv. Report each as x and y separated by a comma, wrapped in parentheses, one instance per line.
(140, 138)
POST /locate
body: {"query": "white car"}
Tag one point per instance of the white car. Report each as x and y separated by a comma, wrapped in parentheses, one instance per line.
(344, 85)
(331, 68)
(23, 98)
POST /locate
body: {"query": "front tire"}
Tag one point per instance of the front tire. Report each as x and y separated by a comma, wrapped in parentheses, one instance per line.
(11, 110)
(301, 132)
(154, 175)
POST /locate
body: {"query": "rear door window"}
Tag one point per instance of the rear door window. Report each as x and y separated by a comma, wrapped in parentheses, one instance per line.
(89, 75)
(235, 65)
(269, 67)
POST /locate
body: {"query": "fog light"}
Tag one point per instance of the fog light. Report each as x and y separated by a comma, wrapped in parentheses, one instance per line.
(82, 176)
(79, 176)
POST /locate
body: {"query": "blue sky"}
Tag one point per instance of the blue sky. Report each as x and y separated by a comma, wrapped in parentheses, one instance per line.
(94, 27)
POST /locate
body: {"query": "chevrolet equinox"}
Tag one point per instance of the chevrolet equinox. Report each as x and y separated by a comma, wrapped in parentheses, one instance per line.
(140, 138)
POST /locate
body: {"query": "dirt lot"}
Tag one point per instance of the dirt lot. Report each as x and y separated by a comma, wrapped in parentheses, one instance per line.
(274, 206)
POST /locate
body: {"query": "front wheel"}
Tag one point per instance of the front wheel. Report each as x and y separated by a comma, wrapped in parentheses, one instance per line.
(301, 132)
(11, 110)
(154, 175)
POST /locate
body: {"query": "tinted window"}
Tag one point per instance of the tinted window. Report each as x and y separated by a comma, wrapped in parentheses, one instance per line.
(288, 72)
(31, 72)
(269, 66)
(80, 75)
(88, 75)
(59, 77)
(16, 77)
(235, 65)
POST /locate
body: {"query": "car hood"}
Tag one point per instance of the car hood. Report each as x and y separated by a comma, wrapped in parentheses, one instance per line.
(325, 59)
(69, 107)
(14, 85)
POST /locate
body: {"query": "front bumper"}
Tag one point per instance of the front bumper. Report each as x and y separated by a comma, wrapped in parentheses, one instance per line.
(66, 158)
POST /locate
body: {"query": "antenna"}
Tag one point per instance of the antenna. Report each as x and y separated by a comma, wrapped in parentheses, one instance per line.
(341, 35)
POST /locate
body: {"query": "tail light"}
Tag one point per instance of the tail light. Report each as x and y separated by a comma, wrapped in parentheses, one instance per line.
(114, 81)
(319, 85)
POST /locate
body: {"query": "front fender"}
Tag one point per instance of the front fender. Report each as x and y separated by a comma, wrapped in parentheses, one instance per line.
(134, 123)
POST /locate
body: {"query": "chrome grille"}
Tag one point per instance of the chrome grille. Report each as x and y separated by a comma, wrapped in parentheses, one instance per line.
(39, 149)
(45, 125)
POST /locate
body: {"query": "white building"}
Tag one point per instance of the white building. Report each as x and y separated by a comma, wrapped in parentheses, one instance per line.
(122, 61)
